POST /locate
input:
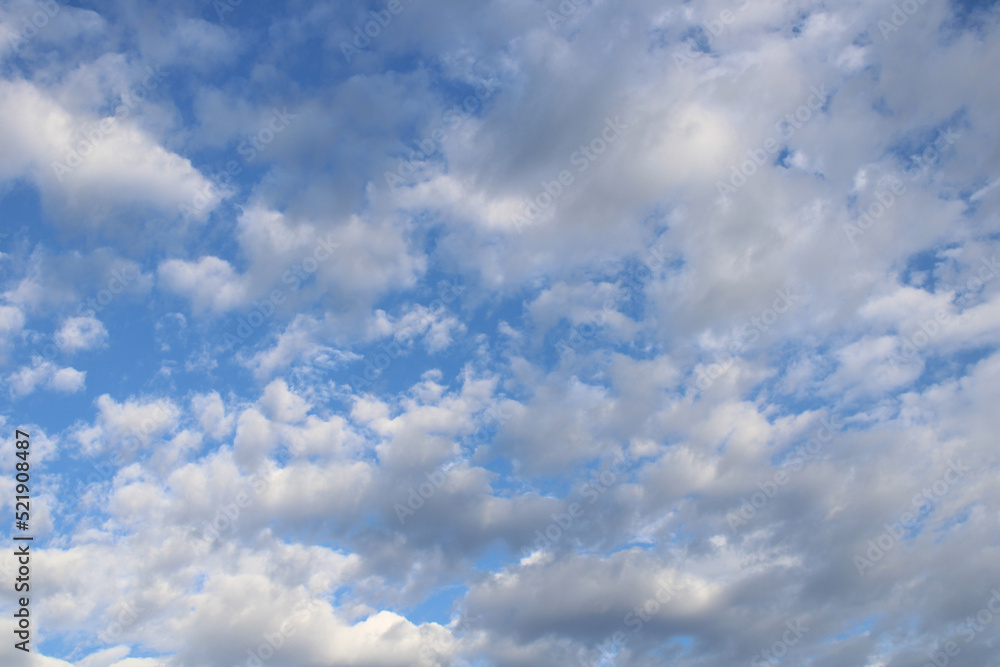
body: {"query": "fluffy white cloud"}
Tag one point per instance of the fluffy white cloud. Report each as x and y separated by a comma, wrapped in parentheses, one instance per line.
(520, 327)
(283, 405)
(91, 166)
(44, 373)
(210, 283)
(81, 333)
(132, 424)
(211, 413)
(11, 320)
(68, 380)
(11, 323)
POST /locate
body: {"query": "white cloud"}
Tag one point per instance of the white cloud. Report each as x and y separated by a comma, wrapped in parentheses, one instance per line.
(129, 425)
(210, 411)
(283, 405)
(298, 344)
(11, 320)
(210, 283)
(68, 380)
(11, 323)
(84, 163)
(434, 324)
(45, 373)
(266, 481)
(81, 333)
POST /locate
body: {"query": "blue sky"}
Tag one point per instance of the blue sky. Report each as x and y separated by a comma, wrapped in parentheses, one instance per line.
(416, 333)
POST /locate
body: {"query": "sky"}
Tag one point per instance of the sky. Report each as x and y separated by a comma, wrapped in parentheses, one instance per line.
(514, 333)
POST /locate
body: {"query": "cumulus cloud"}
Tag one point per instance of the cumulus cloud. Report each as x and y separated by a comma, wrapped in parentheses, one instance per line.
(91, 166)
(210, 411)
(130, 424)
(11, 319)
(81, 333)
(44, 373)
(517, 334)
(210, 283)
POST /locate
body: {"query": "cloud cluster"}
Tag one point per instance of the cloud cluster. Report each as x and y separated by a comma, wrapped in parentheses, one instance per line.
(516, 334)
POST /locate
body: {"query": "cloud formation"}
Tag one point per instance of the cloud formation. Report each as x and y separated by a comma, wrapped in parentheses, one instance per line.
(514, 334)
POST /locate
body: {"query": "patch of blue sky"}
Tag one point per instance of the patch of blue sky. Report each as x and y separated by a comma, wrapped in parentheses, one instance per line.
(440, 605)
(677, 647)
(699, 39)
(859, 629)
(940, 368)
(909, 148)
(920, 269)
(973, 14)
(950, 523)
